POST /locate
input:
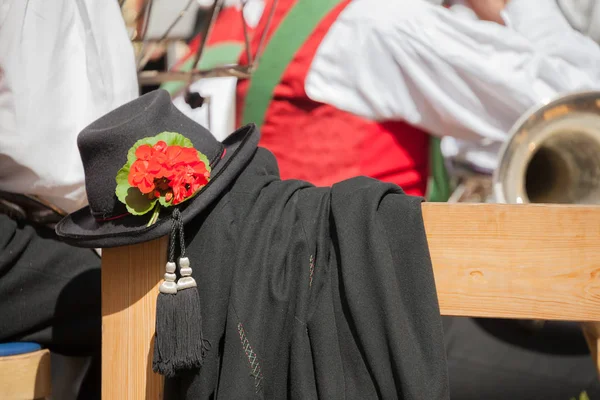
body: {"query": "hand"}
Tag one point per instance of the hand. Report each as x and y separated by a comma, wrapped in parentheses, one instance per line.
(488, 10)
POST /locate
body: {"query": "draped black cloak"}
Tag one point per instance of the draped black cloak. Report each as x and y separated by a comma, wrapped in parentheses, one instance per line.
(313, 293)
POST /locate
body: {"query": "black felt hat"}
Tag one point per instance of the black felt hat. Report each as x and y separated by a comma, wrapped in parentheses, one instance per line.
(104, 145)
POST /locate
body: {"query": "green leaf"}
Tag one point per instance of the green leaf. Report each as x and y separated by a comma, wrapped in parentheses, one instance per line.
(163, 202)
(584, 396)
(173, 139)
(204, 159)
(154, 217)
(122, 184)
(138, 203)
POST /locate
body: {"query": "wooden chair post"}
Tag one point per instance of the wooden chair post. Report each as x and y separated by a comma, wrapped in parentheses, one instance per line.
(591, 331)
(130, 279)
(531, 261)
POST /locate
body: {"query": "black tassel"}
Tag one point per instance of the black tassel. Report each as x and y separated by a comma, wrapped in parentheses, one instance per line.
(165, 336)
(191, 345)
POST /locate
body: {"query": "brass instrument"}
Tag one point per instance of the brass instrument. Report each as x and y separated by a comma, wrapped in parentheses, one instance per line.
(552, 154)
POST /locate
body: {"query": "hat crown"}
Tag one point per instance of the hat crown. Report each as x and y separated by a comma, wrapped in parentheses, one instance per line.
(103, 145)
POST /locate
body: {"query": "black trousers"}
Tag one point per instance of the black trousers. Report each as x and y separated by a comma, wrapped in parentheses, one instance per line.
(50, 294)
(497, 359)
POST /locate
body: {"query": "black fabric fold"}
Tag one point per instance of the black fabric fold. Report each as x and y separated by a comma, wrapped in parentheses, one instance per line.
(316, 293)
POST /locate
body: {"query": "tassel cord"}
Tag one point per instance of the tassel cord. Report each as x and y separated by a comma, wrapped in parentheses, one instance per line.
(179, 221)
(176, 224)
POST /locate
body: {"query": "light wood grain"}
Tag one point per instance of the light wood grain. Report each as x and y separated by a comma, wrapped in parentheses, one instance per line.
(25, 376)
(516, 261)
(130, 280)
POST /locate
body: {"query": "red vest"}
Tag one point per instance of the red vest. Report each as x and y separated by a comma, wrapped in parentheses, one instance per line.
(321, 144)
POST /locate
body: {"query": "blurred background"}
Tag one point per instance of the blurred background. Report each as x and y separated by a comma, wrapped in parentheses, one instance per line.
(455, 101)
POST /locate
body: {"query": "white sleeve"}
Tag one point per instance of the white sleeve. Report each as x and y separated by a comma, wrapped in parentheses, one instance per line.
(583, 15)
(543, 23)
(63, 64)
(408, 60)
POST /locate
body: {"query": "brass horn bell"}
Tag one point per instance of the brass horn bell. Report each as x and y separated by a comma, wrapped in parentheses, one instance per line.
(553, 154)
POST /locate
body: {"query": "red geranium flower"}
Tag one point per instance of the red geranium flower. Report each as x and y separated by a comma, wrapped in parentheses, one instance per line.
(160, 146)
(176, 156)
(174, 172)
(154, 153)
(187, 181)
(166, 170)
(142, 174)
(144, 152)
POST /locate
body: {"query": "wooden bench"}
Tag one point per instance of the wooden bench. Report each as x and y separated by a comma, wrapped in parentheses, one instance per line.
(490, 260)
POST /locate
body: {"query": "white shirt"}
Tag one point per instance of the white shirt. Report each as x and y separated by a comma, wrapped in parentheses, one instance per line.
(63, 64)
(450, 74)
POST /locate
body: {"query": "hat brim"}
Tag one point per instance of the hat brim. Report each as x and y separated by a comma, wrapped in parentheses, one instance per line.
(81, 229)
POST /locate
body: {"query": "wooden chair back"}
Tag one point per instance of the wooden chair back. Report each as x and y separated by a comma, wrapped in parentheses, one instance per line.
(529, 261)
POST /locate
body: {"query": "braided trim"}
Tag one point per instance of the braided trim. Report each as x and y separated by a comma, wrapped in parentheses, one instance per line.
(255, 369)
(311, 270)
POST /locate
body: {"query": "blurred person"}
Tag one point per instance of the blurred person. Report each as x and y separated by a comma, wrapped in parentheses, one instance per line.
(411, 69)
(369, 87)
(63, 64)
(479, 149)
(583, 15)
(557, 60)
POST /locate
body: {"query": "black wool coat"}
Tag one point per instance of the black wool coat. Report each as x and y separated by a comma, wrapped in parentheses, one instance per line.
(313, 293)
